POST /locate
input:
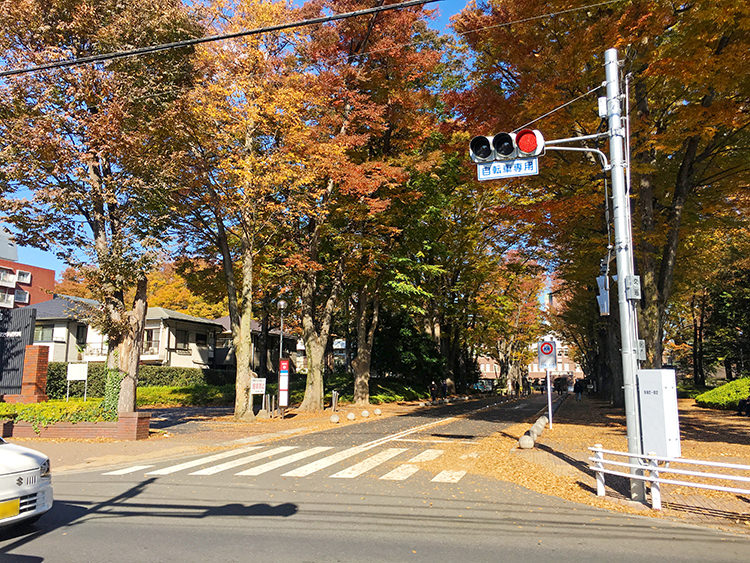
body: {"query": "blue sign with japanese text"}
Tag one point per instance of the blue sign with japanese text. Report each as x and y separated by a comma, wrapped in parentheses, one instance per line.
(508, 168)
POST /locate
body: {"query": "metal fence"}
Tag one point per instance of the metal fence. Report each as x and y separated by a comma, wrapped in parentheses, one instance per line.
(652, 472)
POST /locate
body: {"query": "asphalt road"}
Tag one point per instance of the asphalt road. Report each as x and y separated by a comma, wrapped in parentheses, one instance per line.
(327, 497)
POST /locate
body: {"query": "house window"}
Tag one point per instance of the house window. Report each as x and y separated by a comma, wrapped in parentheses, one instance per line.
(151, 341)
(23, 277)
(181, 340)
(43, 333)
(201, 339)
(7, 276)
(21, 296)
(82, 332)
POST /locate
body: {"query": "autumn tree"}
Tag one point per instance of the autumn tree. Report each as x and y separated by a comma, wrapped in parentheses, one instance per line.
(687, 121)
(74, 178)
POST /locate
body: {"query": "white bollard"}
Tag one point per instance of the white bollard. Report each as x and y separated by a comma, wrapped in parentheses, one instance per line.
(335, 418)
(365, 414)
(377, 412)
(350, 416)
(526, 442)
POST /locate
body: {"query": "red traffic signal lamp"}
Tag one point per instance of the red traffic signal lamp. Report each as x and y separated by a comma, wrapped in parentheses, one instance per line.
(527, 143)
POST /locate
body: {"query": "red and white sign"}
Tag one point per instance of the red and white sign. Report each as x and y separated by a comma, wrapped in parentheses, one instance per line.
(547, 355)
(258, 386)
(283, 383)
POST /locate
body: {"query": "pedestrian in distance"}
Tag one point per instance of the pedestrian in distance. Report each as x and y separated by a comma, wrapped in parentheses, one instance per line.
(433, 391)
(445, 389)
(578, 389)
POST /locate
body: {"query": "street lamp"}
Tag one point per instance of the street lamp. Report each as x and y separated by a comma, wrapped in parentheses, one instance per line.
(281, 304)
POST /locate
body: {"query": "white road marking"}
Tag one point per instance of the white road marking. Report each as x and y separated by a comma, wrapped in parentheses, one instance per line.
(427, 455)
(127, 470)
(401, 472)
(241, 461)
(371, 462)
(283, 461)
(306, 470)
(202, 461)
(448, 476)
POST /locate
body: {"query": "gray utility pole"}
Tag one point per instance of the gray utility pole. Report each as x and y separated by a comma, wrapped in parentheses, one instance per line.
(628, 285)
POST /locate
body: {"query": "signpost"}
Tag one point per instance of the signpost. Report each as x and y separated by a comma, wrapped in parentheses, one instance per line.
(547, 353)
(77, 372)
(258, 386)
(283, 385)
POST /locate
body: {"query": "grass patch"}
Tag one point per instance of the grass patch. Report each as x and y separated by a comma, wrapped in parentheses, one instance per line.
(188, 396)
(725, 397)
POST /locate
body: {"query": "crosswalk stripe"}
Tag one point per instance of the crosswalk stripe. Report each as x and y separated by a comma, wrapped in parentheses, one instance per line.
(448, 476)
(283, 461)
(371, 462)
(202, 461)
(127, 470)
(427, 455)
(242, 461)
(402, 472)
(306, 470)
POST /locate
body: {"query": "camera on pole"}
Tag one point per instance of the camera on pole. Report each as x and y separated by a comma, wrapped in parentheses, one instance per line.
(527, 143)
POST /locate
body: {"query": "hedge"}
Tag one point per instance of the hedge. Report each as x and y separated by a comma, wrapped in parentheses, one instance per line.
(148, 376)
(44, 414)
(725, 397)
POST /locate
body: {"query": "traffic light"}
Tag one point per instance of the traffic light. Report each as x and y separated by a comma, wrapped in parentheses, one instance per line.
(527, 143)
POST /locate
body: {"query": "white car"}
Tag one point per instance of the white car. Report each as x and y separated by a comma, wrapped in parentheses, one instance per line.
(25, 484)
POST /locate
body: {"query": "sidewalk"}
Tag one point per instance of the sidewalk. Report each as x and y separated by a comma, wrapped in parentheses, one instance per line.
(705, 434)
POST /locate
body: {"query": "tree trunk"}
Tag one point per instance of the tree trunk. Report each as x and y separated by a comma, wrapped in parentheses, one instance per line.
(243, 407)
(366, 321)
(131, 348)
(315, 350)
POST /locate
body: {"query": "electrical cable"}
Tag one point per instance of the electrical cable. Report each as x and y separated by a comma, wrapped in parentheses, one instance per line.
(211, 38)
(558, 108)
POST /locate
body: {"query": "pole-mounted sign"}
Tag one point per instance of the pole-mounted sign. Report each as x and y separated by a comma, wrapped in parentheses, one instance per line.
(547, 352)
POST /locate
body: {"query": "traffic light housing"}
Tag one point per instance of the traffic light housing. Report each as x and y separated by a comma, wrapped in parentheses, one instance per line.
(527, 143)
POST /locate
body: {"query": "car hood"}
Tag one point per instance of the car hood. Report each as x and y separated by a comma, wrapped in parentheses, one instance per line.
(15, 458)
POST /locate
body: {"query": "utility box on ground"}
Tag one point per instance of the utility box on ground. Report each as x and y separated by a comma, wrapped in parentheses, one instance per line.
(660, 425)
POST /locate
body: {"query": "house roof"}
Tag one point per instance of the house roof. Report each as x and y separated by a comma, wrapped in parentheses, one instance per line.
(168, 314)
(66, 307)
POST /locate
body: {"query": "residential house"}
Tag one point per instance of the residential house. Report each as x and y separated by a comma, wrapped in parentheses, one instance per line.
(171, 338)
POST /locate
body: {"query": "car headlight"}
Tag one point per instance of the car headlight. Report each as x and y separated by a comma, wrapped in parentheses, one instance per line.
(44, 468)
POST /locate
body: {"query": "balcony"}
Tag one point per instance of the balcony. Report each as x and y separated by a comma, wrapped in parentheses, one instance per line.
(7, 300)
(8, 279)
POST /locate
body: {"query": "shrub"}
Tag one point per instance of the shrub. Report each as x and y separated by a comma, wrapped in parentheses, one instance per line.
(45, 414)
(148, 376)
(725, 397)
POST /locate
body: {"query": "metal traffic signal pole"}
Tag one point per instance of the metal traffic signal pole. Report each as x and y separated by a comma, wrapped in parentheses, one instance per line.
(628, 285)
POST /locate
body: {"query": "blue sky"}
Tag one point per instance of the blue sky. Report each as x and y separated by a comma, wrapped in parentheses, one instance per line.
(34, 257)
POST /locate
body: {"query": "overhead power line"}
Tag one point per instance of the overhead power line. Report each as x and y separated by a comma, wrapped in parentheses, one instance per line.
(211, 38)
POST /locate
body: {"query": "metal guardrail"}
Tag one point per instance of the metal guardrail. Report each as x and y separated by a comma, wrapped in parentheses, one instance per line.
(649, 463)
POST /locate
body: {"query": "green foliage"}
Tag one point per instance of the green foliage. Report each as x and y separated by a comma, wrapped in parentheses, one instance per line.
(188, 396)
(45, 414)
(725, 397)
(404, 351)
(112, 389)
(148, 376)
